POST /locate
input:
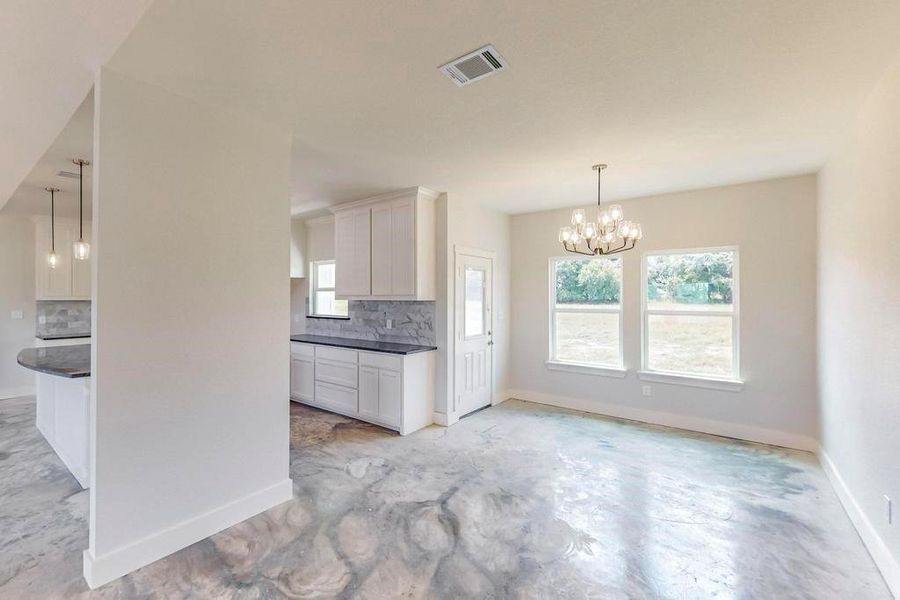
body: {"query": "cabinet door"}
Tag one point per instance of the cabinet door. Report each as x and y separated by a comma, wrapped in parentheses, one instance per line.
(368, 392)
(390, 395)
(81, 269)
(403, 248)
(302, 378)
(352, 252)
(382, 251)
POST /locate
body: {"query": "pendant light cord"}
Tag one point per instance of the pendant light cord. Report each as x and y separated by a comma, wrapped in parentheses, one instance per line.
(52, 221)
(81, 201)
(599, 171)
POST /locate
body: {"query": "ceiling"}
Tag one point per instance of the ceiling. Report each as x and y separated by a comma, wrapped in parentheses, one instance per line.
(48, 54)
(75, 141)
(673, 95)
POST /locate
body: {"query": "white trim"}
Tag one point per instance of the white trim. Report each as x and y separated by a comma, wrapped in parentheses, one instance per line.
(417, 191)
(734, 313)
(500, 397)
(878, 549)
(8, 393)
(476, 252)
(586, 368)
(445, 419)
(711, 383)
(730, 430)
(99, 570)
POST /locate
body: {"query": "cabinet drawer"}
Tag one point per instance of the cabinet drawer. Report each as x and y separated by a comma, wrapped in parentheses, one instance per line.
(339, 373)
(338, 354)
(337, 397)
(381, 361)
(300, 349)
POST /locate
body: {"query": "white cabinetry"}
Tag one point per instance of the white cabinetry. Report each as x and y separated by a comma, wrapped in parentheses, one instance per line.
(352, 252)
(395, 259)
(71, 279)
(391, 390)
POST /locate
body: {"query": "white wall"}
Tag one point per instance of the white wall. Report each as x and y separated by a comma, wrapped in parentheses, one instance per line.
(16, 293)
(859, 321)
(460, 222)
(773, 223)
(191, 314)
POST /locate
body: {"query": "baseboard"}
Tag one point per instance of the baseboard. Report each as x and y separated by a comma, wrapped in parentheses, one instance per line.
(445, 419)
(500, 397)
(7, 393)
(697, 424)
(878, 549)
(99, 570)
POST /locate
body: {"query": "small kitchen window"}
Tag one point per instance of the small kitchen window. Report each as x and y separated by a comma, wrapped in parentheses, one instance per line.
(322, 301)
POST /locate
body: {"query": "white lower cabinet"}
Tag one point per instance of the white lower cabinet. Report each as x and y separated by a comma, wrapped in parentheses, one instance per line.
(391, 390)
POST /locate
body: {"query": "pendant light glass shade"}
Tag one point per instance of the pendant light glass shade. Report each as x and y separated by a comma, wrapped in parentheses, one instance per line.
(81, 250)
(52, 260)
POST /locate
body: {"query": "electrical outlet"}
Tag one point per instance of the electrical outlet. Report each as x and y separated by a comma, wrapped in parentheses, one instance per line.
(646, 390)
(887, 509)
(16, 314)
(389, 324)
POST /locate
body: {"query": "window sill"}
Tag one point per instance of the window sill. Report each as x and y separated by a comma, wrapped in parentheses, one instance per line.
(711, 383)
(586, 369)
(332, 317)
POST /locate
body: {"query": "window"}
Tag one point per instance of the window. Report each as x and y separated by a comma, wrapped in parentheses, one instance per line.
(586, 311)
(322, 302)
(691, 313)
(475, 317)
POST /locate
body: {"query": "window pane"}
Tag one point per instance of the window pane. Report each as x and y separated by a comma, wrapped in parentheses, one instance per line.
(474, 306)
(589, 282)
(701, 281)
(324, 303)
(692, 344)
(325, 275)
(588, 338)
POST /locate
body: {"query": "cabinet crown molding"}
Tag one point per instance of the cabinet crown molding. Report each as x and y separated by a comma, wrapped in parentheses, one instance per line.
(416, 191)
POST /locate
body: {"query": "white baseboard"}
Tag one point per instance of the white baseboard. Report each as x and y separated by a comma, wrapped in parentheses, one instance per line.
(445, 419)
(7, 393)
(500, 397)
(99, 570)
(878, 549)
(720, 428)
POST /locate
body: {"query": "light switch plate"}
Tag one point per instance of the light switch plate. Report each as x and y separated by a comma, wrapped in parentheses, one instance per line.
(16, 314)
(390, 324)
(646, 390)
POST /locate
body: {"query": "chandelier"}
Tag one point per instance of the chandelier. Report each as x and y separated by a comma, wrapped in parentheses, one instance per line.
(610, 234)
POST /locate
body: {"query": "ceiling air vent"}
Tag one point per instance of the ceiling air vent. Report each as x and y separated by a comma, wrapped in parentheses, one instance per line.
(68, 174)
(474, 66)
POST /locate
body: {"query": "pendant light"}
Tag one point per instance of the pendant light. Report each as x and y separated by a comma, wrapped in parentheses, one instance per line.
(52, 257)
(81, 250)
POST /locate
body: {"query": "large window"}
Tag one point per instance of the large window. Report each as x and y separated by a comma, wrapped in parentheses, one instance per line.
(586, 311)
(691, 313)
(322, 302)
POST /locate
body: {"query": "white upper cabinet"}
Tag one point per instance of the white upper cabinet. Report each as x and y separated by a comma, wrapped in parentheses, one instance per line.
(352, 252)
(71, 279)
(395, 259)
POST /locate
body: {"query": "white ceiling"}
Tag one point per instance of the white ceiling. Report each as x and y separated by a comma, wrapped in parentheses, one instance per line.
(673, 95)
(75, 141)
(48, 54)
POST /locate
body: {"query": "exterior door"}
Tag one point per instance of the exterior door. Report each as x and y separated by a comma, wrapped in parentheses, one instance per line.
(474, 333)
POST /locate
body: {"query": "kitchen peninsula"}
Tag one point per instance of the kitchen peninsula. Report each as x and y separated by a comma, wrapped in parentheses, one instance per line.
(63, 387)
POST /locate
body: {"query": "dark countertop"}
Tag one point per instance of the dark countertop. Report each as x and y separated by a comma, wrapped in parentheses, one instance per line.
(62, 336)
(63, 361)
(367, 345)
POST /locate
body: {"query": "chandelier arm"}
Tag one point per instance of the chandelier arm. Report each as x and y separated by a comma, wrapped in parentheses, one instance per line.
(574, 249)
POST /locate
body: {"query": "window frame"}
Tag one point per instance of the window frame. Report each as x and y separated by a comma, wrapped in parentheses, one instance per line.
(732, 383)
(314, 287)
(554, 362)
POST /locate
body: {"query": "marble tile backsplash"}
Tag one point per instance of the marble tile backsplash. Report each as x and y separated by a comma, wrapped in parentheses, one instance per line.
(62, 316)
(412, 322)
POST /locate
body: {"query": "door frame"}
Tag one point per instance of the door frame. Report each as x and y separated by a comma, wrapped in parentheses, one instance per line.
(458, 251)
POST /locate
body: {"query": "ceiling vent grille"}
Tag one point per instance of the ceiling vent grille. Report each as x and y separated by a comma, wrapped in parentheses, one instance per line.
(68, 174)
(474, 66)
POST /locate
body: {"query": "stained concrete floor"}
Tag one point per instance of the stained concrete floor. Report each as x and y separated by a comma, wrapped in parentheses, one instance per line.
(517, 501)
